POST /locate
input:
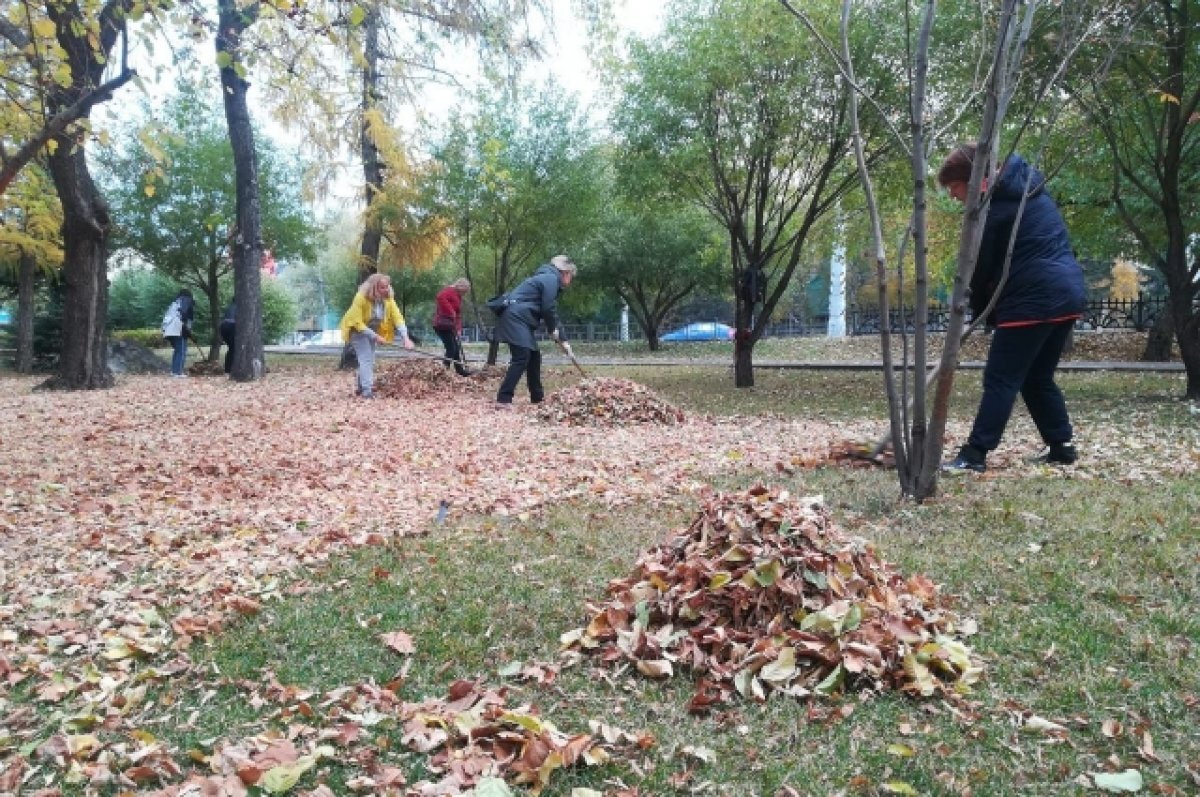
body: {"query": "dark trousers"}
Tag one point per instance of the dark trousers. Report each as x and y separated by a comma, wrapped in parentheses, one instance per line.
(524, 361)
(227, 328)
(1022, 360)
(453, 350)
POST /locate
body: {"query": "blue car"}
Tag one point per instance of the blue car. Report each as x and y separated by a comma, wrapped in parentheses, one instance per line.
(700, 330)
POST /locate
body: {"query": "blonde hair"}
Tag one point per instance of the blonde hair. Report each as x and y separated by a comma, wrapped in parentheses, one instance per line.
(461, 285)
(369, 285)
(563, 264)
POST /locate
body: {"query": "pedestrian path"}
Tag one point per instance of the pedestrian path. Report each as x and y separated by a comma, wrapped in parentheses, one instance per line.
(551, 358)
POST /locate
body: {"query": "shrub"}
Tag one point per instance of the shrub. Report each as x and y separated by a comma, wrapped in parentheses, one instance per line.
(279, 310)
(151, 338)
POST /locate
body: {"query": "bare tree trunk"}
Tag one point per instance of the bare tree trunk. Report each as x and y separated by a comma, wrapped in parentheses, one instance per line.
(26, 282)
(743, 345)
(211, 286)
(1187, 334)
(247, 244)
(368, 261)
(83, 364)
(1160, 341)
(974, 216)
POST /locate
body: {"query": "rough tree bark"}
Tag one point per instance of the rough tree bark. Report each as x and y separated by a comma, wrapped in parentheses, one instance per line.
(246, 246)
(1160, 340)
(368, 261)
(26, 282)
(83, 362)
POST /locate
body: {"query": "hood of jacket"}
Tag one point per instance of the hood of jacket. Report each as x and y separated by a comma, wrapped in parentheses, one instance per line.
(1011, 182)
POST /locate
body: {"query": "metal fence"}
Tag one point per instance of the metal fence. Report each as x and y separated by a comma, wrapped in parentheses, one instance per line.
(1137, 314)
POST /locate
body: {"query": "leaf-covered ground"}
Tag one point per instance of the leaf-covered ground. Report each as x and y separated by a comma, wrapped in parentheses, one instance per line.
(135, 520)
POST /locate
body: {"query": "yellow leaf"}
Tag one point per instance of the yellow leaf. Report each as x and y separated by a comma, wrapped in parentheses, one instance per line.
(149, 189)
(283, 777)
(658, 668)
(899, 787)
(44, 28)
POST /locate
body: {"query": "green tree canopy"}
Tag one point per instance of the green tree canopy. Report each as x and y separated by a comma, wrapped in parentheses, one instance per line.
(173, 196)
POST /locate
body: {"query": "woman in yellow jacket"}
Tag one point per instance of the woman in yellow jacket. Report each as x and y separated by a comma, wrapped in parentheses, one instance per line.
(373, 318)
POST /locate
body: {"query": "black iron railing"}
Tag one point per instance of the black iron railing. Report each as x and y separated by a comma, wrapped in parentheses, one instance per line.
(1136, 314)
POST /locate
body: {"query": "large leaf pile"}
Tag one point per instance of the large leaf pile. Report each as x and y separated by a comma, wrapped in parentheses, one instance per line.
(413, 379)
(604, 401)
(762, 593)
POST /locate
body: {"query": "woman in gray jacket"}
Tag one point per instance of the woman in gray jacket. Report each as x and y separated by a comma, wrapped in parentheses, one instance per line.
(531, 303)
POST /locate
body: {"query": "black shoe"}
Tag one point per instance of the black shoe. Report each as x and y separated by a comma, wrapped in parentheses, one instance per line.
(969, 458)
(1059, 454)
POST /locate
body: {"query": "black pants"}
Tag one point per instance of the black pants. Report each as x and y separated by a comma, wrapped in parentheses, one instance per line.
(1022, 360)
(524, 361)
(227, 328)
(453, 350)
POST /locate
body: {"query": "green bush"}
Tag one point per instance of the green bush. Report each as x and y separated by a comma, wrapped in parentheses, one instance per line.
(151, 338)
(279, 310)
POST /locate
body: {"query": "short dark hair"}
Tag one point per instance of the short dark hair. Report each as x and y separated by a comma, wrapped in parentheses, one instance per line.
(957, 166)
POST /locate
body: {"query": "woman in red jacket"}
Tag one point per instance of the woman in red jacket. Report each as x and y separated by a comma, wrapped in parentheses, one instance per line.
(447, 323)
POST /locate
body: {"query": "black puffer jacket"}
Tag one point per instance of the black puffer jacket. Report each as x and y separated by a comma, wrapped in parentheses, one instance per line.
(532, 302)
(1045, 283)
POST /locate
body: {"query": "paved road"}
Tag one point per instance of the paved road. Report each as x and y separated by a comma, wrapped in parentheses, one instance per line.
(798, 365)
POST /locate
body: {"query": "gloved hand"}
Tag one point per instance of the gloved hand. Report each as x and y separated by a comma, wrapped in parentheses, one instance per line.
(567, 348)
(554, 335)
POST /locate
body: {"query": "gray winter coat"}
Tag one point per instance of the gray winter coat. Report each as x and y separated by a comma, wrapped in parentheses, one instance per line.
(531, 303)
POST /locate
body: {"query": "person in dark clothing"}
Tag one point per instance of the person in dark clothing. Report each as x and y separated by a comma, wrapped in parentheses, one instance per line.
(447, 323)
(227, 328)
(531, 303)
(1038, 304)
(177, 328)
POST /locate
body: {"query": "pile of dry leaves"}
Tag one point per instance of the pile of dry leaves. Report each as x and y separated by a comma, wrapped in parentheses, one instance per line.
(604, 401)
(206, 368)
(414, 379)
(761, 593)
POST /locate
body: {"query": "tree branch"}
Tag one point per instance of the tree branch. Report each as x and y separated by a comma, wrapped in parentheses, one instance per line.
(57, 125)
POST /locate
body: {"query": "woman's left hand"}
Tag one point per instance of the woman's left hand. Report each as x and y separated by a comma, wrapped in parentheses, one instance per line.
(408, 344)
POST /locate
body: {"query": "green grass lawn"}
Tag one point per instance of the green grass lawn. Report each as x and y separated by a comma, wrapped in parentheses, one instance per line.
(1085, 592)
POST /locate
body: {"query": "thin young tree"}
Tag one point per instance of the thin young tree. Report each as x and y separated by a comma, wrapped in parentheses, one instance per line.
(918, 432)
(741, 122)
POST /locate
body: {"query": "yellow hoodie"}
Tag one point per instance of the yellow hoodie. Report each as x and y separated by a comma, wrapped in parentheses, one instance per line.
(358, 317)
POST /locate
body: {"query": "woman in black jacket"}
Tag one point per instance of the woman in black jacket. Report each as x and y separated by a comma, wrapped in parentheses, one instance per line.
(531, 303)
(1033, 316)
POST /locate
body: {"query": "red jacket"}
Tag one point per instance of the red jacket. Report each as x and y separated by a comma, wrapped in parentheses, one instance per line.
(447, 312)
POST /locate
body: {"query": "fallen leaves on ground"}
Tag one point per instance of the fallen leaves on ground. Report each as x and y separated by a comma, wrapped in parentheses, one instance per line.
(763, 593)
(862, 454)
(417, 379)
(470, 735)
(206, 368)
(136, 520)
(605, 401)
